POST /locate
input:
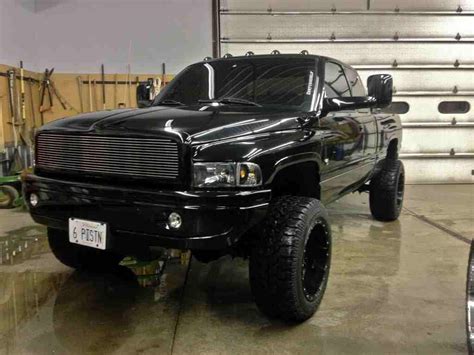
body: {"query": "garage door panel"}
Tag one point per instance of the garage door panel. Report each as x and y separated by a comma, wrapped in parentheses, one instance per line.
(326, 5)
(417, 80)
(425, 109)
(438, 140)
(368, 53)
(433, 68)
(347, 26)
(301, 5)
(427, 5)
(432, 171)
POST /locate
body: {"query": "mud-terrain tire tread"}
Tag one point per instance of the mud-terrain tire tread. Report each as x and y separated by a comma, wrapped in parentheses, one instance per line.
(80, 257)
(273, 267)
(383, 191)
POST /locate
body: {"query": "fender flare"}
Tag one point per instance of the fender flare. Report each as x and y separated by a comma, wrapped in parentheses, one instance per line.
(295, 160)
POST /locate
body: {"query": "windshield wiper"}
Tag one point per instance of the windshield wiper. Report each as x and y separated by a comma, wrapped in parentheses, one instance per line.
(231, 100)
(170, 102)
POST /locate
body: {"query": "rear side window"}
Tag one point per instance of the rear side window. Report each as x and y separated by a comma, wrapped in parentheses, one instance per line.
(357, 88)
(454, 107)
(335, 81)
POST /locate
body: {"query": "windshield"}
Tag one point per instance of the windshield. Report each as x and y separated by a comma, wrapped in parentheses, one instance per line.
(280, 83)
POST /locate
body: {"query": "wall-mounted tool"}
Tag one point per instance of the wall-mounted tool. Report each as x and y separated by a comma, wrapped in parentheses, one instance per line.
(90, 93)
(129, 74)
(55, 93)
(163, 75)
(26, 138)
(115, 90)
(11, 75)
(102, 70)
(137, 83)
(129, 80)
(22, 92)
(32, 105)
(12, 100)
(127, 91)
(16, 162)
(48, 87)
(45, 88)
(17, 109)
(62, 100)
(94, 92)
(80, 89)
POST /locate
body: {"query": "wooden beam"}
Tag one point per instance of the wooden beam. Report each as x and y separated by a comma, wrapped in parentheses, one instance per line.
(2, 133)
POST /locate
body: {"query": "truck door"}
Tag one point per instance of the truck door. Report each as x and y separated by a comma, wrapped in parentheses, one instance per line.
(348, 137)
(366, 118)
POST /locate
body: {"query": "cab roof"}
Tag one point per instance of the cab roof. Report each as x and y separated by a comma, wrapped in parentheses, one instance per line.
(281, 55)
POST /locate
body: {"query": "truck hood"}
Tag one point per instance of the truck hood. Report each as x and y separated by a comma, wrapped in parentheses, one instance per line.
(192, 124)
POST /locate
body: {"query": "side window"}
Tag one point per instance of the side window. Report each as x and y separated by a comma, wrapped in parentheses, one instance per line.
(357, 88)
(335, 81)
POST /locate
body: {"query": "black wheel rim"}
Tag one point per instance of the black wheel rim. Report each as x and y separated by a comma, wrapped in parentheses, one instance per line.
(315, 261)
(400, 190)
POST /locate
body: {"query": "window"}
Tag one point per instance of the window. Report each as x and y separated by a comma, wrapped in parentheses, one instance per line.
(454, 107)
(335, 81)
(275, 82)
(189, 86)
(399, 107)
(357, 88)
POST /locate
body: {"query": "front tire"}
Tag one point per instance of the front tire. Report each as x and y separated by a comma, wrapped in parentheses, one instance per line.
(387, 191)
(289, 263)
(78, 256)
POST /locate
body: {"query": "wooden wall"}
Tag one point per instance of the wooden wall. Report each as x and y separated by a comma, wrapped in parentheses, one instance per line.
(6, 131)
(68, 87)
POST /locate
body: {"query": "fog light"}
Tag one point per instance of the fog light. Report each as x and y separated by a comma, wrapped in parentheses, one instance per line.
(34, 199)
(174, 220)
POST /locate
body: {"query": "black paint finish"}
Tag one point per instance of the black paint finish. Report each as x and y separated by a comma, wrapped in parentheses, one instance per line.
(344, 145)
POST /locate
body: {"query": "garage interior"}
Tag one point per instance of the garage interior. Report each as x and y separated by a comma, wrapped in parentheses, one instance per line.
(397, 287)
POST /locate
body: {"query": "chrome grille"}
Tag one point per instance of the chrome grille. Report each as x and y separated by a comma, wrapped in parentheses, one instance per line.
(146, 157)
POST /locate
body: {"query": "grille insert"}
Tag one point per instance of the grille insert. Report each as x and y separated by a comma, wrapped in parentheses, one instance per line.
(106, 155)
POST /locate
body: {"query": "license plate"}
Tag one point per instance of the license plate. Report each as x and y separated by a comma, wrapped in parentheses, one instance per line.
(88, 233)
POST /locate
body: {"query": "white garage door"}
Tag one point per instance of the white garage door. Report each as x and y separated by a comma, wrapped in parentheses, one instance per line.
(427, 45)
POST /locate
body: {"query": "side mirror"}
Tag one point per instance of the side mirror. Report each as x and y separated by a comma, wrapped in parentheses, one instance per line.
(146, 92)
(347, 103)
(380, 87)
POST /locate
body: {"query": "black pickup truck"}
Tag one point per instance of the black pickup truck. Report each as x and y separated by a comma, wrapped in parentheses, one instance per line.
(234, 156)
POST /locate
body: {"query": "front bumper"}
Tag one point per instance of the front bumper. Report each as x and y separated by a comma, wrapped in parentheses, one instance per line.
(138, 217)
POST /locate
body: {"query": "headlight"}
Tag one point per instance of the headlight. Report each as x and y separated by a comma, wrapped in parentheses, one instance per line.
(249, 174)
(214, 174)
(226, 174)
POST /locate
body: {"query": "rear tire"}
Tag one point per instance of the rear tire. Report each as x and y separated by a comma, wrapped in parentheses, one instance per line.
(10, 196)
(80, 257)
(290, 261)
(387, 191)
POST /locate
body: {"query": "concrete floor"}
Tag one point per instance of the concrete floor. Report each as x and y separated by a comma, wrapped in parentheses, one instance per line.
(394, 288)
